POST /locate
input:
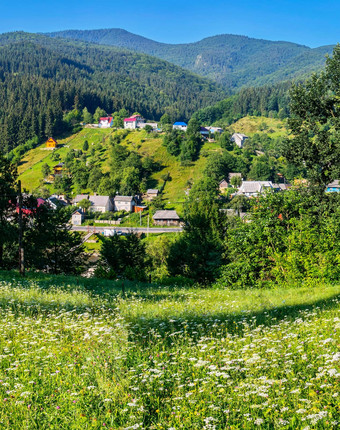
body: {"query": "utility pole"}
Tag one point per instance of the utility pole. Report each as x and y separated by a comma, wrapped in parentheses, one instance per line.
(21, 248)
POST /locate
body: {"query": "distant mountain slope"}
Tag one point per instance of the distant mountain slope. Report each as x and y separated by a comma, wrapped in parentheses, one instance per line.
(41, 78)
(232, 60)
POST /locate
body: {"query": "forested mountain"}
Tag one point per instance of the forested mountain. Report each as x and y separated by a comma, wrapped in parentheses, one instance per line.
(234, 61)
(41, 78)
(269, 100)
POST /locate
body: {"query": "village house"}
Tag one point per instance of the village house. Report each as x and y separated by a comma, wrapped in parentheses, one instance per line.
(154, 125)
(215, 130)
(152, 193)
(254, 188)
(124, 203)
(204, 132)
(56, 202)
(51, 143)
(239, 139)
(78, 217)
(134, 122)
(105, 122)
(166, 217)
(98, 203)
(58, 169)
(180, 126)
(223, 185)
(333, 187)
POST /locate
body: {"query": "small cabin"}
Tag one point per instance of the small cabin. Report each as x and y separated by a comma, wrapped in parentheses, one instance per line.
(51, 143)
(58, 169)
(78, 217)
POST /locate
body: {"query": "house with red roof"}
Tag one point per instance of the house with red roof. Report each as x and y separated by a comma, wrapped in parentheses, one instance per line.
(105, 122)
(134, 122)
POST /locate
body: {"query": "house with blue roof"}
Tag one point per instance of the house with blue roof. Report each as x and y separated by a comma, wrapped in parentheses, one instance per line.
(180, 126)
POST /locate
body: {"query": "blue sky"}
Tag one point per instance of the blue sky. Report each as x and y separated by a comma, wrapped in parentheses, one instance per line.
(313, 23)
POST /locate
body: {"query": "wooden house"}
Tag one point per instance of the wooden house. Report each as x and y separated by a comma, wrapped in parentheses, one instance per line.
(166, 217)
(223, 185)
(58, 169)
(51, 143)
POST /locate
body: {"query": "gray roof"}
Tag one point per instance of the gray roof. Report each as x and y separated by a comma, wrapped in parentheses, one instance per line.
(334, 184)
(80, 197)
(166, 214)
(95, 200)
(99, 200)
(152, 191)
(78, 212)
(233, 174)
(254, 186)
(123, 198)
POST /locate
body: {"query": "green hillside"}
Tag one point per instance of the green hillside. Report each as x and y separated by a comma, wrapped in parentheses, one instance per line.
(139, 141)
(148, 146)
(77, 354)
(232, 60)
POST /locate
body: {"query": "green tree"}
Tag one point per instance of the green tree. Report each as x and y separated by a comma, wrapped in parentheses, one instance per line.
(87, 116)
(315, 124)
(123, 256)
(53, 246)
(8, 175)
(236, 181)
(260, 170)
(99, 113)
(84, 204)
(198, 252)
(85, 145)
(165, 120)
(45, 170)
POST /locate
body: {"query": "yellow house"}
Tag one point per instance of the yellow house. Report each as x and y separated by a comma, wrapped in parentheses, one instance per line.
(51, 143)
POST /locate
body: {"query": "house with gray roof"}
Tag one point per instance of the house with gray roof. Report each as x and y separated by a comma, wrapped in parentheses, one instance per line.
(239, 139)
(98, 203)
(124, 203)
(254, 188)
(166, 217)
(78, 217)
(151, 194)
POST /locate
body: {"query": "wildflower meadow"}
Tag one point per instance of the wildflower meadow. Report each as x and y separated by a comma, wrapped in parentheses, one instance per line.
(84, 356)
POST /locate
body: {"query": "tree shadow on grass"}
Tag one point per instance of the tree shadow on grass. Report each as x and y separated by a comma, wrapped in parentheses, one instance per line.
(202, 325)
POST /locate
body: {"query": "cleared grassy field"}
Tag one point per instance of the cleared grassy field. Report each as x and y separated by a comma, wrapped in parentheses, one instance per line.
(250, 125)
(76, 354)
(30, 167)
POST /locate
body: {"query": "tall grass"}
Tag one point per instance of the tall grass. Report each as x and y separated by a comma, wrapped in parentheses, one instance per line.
(78, 354)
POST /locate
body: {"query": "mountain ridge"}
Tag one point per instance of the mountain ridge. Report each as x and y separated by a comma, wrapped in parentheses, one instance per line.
(232, 60)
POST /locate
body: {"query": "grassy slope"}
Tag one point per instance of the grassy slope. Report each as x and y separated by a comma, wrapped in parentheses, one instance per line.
(76, 354)
(145, 145)
(250, 125)
(30, 167)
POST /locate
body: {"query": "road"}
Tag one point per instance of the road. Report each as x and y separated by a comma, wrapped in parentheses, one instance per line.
(97, 229)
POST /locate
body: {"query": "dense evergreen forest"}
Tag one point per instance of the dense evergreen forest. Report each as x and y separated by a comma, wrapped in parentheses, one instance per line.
(270, 100)
(232, 60)
(42, 78)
